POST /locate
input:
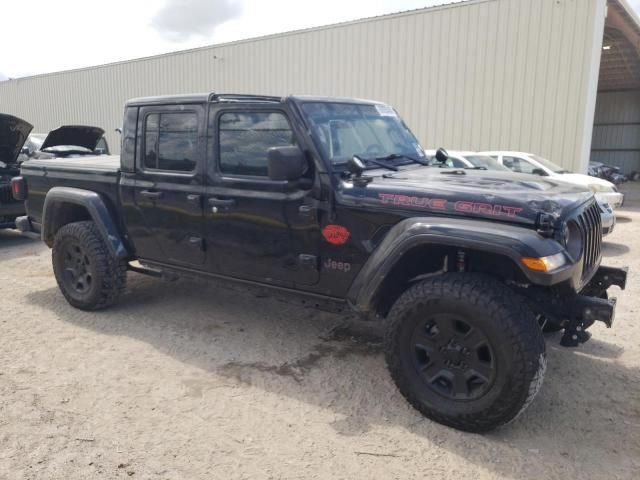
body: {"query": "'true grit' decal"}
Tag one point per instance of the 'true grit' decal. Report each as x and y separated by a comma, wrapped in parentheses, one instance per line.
(442, 204)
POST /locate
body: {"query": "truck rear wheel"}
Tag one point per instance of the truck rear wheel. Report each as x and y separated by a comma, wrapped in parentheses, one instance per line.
(465, 351)
(89, 277)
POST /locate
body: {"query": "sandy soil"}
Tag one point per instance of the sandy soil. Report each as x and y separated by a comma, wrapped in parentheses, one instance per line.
(190, 380)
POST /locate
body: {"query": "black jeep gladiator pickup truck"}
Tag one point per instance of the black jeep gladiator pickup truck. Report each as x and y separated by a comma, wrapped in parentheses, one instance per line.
(334, 200)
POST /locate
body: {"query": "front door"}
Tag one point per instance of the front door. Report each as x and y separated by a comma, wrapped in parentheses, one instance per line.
(256, 228)
(169, 187)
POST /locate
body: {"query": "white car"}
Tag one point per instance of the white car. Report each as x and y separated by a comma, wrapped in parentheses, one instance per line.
(483, 161)
(469, 160)
(606, 192)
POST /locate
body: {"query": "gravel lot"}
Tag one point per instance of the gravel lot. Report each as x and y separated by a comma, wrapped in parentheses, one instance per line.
(190, 380)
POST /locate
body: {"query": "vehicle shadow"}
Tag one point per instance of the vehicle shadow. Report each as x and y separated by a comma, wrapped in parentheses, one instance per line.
(11, 238)
(337, 364)
(623, 219)
(611, 249)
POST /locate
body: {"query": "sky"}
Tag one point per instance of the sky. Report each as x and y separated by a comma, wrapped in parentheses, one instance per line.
(53, 35)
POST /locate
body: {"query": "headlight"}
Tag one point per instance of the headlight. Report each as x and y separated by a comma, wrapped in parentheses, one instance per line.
(545, 264)
(573, 240)
(566, 235)
(599, 188)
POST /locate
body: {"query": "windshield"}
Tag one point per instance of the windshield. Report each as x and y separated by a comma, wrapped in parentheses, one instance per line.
(486, 162)
(549, 164)
(368, 131)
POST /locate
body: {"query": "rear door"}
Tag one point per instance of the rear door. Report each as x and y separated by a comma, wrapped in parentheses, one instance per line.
(256, 228)
(168, 185)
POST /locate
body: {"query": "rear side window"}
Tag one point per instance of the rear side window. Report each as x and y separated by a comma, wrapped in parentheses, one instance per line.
(518, 164)
(171, 141)
(246, 137)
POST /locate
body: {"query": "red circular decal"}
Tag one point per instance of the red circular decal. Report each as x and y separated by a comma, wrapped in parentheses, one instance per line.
(336, 234)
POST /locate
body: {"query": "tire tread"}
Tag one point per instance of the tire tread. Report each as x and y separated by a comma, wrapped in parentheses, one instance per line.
(519, 325)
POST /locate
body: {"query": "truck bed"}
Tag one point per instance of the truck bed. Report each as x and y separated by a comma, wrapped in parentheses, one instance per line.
(104, 164)
(99, 173)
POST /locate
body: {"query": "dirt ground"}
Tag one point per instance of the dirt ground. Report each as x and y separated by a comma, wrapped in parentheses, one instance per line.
(190, 380)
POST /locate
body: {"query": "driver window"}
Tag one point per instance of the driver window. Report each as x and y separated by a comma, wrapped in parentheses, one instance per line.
(245, 138)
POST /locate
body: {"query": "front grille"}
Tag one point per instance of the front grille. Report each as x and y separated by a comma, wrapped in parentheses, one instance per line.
(590, 225)
(5, 194)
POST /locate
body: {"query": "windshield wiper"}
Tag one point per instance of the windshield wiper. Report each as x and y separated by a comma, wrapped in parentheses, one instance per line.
(394, 156)
(379, 162)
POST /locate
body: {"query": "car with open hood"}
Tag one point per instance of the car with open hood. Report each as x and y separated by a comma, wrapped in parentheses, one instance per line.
(13, 134)
(65, 141)
(332, 201)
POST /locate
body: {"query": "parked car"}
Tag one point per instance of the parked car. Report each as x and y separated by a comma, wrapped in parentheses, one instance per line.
(68, 140)
(607, 172)
(474, 160)
(470, 160)
(333, 200)
(13, 134)
(521, 162)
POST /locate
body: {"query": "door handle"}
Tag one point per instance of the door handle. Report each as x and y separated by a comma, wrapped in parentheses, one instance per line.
(195, 200)
(151, 194)
(221, 202)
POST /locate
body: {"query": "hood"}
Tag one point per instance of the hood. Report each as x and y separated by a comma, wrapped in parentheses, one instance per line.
(13, 133)
(494, 195)
(585, 180)
(78, 135)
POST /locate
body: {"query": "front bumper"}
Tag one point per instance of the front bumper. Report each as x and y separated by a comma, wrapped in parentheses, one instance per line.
(614, 199)
(608, 219)
(593, 305)
(575, 311)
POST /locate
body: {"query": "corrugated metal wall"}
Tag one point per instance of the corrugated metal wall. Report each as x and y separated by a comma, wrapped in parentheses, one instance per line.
(486, 74)
(616, 132)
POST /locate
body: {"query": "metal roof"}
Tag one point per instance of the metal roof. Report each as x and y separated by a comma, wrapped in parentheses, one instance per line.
(620, 63)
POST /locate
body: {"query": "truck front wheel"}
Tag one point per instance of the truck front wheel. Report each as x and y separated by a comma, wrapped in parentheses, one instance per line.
(465, 351)
(89, 277)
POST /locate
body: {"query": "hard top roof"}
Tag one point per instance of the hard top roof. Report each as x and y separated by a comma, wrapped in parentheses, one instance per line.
(192, 98)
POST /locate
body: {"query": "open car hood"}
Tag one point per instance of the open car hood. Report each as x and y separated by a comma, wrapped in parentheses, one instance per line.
(77, 135)
(13, 133)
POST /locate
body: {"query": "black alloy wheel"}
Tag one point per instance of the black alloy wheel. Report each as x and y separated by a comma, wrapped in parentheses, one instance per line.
(454, 358)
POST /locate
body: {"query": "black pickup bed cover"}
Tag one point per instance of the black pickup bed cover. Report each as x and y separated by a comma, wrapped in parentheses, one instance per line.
(101, 163)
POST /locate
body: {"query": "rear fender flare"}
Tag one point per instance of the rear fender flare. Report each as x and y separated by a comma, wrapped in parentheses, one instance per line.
(95, 205)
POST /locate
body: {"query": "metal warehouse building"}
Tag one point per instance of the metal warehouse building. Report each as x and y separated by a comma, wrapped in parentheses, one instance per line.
(483, 74)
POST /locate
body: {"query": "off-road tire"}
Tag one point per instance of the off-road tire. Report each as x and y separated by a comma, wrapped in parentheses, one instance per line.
(509, 326)
(107, 275)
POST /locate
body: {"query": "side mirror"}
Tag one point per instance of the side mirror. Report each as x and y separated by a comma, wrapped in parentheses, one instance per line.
(442, 155)
(356, 166)
(286, 163)
(25, 151)
(539, 171)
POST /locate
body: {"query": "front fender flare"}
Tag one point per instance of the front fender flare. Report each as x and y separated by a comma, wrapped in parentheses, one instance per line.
(98, 211)
(510, 241)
